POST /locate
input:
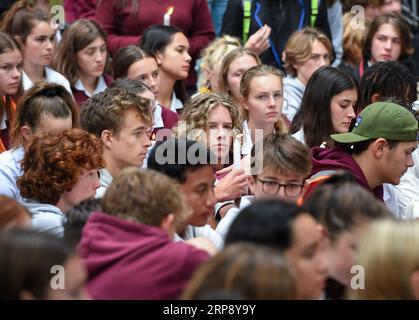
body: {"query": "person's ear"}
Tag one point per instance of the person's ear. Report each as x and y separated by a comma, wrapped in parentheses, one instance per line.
(243, 102)
(26, 133)
(168, 224)
(20, 41)
(375, 97)
(379, 147)
(107, 138)
(252, 184)
(159, 57)
(414, 284)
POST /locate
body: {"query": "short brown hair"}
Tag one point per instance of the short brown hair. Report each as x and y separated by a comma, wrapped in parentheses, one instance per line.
(53, 162)
(106, 110)
(284, 153)
(300, 45)
(401, 27)
(144, 196)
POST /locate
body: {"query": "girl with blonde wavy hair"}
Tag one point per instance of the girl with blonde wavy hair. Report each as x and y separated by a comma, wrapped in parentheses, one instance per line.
(214, 120)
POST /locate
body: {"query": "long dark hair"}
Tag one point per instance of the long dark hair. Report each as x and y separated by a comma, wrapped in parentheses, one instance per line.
(314, 115)
(156, 38)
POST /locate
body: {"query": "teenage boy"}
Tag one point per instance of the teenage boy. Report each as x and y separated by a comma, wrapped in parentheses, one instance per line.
(128, 248)
(189, 163)
(378, 149)
(123, 122)
(286, 164)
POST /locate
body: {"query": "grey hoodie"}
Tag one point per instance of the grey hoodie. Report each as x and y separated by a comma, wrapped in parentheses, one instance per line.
(46, 217)
(293, 95)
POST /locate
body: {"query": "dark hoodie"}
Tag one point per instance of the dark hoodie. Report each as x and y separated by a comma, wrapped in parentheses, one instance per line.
(129, 260)
(334, 159)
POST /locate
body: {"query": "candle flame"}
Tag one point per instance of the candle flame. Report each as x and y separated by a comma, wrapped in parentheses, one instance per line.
(170, 11)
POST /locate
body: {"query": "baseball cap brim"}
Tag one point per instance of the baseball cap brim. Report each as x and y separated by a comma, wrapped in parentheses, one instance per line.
(348, 137)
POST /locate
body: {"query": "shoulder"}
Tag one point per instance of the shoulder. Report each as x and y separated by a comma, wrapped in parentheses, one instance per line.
(54, 76)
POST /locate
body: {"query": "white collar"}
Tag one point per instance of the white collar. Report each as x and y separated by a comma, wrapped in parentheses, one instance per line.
(157, 118)
(101, 86)
(176, 103)
(27, 83)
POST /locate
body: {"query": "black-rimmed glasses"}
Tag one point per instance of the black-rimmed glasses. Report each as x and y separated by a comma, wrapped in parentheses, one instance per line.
(272, 188)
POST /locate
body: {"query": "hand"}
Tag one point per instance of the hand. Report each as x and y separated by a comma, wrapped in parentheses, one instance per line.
(232, 186)
(259, 41)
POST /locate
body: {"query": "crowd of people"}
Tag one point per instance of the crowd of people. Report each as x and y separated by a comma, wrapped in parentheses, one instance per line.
(209, 150)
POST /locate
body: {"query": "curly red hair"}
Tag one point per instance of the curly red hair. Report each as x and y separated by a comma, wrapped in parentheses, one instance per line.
(54, 161)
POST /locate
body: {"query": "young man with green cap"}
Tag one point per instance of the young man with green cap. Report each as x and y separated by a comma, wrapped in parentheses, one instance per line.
(378, 150)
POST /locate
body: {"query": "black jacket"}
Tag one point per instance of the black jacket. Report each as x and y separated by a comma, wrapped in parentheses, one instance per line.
(283, 16)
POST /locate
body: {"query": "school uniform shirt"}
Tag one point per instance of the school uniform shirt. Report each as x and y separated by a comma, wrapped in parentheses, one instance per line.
(167, 117)
(206, 232)
(391, 200)
(299, 135)
(131, 261)
(46, 217)
(10, 171)
(4, 133)
(81, 94)
(192, 17)
(225, 223)
(52, 76)
(407, 190)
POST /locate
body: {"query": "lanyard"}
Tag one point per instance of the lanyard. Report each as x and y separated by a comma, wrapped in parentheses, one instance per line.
(260, 24)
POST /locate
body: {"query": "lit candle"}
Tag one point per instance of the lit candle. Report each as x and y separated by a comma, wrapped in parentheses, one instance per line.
(166, 18)
(237, 152)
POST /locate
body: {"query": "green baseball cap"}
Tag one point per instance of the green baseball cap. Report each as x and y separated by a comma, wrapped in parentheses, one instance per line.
(382, 120)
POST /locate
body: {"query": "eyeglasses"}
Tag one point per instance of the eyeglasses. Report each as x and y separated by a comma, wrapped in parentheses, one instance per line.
(272, 188)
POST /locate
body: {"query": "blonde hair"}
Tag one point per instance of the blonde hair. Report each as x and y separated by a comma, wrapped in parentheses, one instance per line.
(300, 45)
(352, 40)
(214, 54)
(248, 76)
(195, 115)
(228, 60)
(389, 255)
(144, 196)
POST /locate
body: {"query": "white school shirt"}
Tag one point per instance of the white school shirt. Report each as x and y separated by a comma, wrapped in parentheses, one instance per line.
(206, 232)
(10, 170)
(52, 76)
(225, 223)
(407, 190)
(101, 86)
